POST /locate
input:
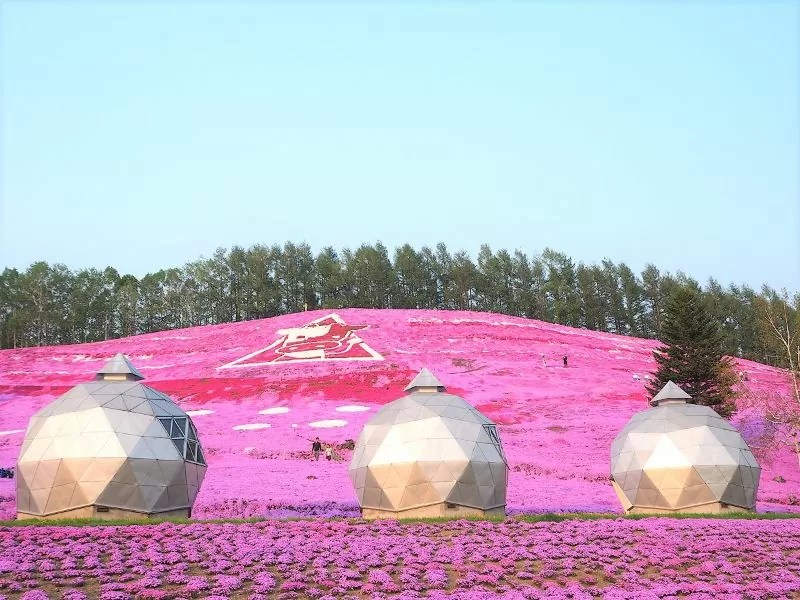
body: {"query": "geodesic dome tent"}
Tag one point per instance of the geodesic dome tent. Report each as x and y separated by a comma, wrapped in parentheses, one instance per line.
(111, 448)
(682, 457)
(428, 454)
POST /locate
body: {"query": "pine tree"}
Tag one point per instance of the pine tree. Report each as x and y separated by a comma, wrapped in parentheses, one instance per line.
(692, 354)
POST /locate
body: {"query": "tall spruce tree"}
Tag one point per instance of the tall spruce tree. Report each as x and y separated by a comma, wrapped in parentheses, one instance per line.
(692, 354)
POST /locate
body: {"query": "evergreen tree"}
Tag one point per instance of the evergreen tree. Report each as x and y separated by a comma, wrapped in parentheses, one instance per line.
(692, 354)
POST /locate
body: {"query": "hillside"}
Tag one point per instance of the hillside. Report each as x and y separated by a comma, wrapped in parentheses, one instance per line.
(556, 422)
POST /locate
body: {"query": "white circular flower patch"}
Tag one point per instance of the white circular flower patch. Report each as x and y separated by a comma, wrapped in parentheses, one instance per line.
(251, 426)
(12, 432)
(275, 410)
(199, 413)
(351, 408)
(329, 423)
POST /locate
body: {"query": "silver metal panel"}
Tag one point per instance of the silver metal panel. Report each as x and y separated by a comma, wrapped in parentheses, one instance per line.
(33, 449)
(163, 503)
(71, 425)
(468, 476)
(746, 476)
(669, 392)
(147, 472)
(120, 365)
(45, 474)
(34, 426)
(116, 403)
(125, 474)
(119, 387)
(38, 500)
(69, 402)
(153, 394)
(145, 408)
(151, 495)
(408, 414)
(191, 493)
(86, 404)
(424, 379)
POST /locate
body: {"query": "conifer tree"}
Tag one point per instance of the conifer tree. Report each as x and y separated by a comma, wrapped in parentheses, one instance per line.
(692, 354)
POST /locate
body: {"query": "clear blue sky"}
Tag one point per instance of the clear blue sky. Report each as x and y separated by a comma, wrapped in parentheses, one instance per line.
(144, 135)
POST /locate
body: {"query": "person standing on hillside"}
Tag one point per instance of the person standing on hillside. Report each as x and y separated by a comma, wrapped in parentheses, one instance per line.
(565, 360)
(316, 448)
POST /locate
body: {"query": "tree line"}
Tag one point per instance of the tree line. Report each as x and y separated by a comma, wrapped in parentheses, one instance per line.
(51, 304)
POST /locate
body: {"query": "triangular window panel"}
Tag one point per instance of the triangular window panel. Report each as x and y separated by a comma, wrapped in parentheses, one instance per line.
(192, 432)
(178, 445)
(166, 422)
(491, 431)
(181, 423)
(191, 451)
(200, 458)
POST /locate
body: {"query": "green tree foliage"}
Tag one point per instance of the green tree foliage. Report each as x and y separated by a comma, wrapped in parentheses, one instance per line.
(49, 304)
(561, 286)
(692, 354)
(415, 285)
(496, 282)
(329, 281)
(461, 291)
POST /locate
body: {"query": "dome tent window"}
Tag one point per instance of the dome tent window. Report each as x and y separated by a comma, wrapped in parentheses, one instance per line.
(184, 437)
(491, 431)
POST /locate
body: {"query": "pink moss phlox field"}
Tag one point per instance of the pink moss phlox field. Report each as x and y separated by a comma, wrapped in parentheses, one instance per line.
(557, 423)
(610, 558)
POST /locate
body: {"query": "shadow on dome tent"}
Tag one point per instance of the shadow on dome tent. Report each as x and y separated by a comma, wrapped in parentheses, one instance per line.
(682, 457)
(428, 454)
(110, 448)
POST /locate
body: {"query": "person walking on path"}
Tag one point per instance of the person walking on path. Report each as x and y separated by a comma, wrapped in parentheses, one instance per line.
(316, 448)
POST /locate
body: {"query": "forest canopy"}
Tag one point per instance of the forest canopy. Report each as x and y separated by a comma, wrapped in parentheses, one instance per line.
(51, 304)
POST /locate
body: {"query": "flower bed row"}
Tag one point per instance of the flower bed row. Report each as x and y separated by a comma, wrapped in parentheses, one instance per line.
(611, 558)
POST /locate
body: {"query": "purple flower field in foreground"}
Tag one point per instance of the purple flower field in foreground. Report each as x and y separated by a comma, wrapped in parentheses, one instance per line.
(650, 558)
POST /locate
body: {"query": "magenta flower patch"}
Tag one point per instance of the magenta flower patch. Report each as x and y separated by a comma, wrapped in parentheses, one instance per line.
(610, 558)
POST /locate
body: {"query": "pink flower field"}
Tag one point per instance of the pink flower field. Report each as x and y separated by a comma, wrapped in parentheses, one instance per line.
(259, 391)
(556, 423)
(610, 558)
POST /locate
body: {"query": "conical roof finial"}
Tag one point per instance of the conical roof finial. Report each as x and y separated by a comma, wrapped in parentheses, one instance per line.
(670, 393)
(119, 368)
(425, 381)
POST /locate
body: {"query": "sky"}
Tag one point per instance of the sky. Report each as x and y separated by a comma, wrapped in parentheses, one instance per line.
(144, 135)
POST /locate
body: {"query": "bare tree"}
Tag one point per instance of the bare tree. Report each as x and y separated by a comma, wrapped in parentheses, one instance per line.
(784, 325)
(779, 410)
